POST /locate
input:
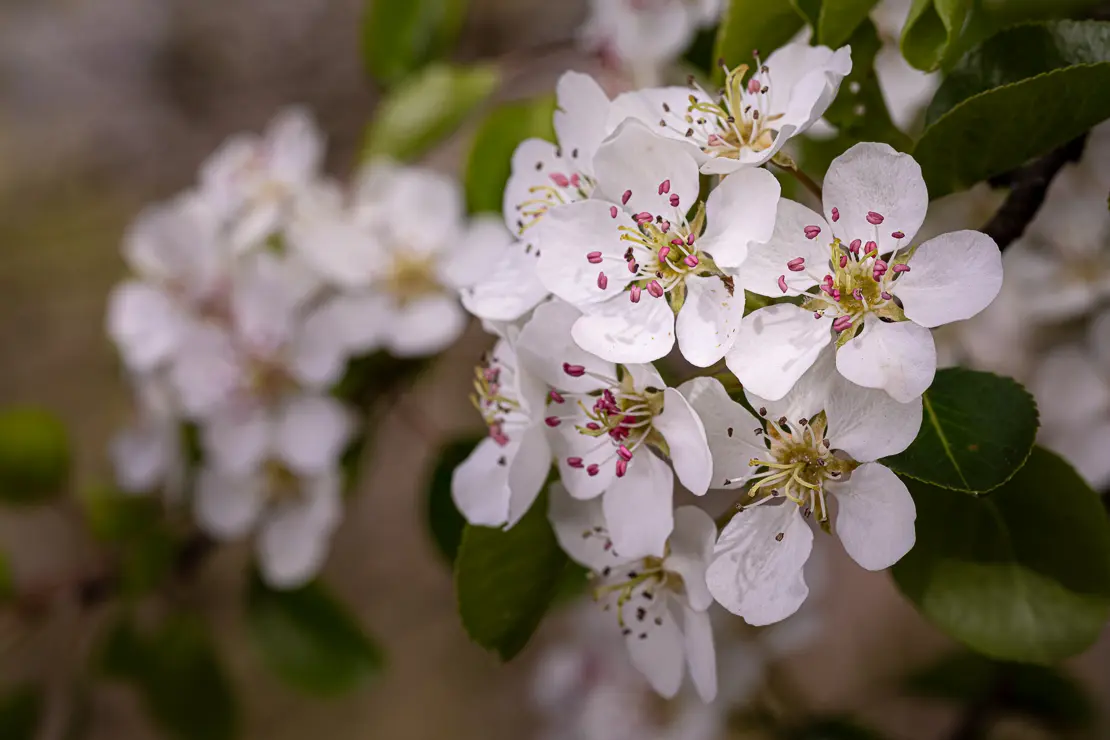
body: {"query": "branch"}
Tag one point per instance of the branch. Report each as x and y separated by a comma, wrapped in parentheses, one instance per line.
(1028, 186)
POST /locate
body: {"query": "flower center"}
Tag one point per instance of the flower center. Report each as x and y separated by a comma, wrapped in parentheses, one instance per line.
(619, 417)
(798, 465)
(560, 188)
(489, 398)
(635, 588)
(282, 484)
(738, 118)
(411, 276)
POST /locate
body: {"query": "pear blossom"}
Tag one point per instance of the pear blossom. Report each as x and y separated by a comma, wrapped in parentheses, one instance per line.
(498, 482)
(605, 424)
(401, 252)
(816, 445)
(275, 469)
(642, 37)
(150, 452)
(544, 176)
(254, 182)
(660, 602)
(862, 282)
(756, 115)
(905, 89)
(638, 268)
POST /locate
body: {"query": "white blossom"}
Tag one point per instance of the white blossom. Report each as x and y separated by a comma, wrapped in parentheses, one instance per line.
(660, 602)
(498, 482)
(861, 281)
(637, 268)
(606, 423)
(817, 444)
(753, 119)
(149, 452)
(643, 37)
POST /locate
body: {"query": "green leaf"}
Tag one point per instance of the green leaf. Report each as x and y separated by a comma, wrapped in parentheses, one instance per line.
(839, 19)
(20, 713)
(976, 431)
(309, 639)
(490, 160)
(177, 675)
(748, 25)
(1022, 574)
(137, 531)
(990, 115)
(1040, 692)
(426, 108)
(931, 28)
(399, 37)
(445, 523)
(506, 579)
(34, 456)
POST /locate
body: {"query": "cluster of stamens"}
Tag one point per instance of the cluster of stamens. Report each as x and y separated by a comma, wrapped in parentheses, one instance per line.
(737, 118)
(619, 417)
(799, 464)
(558, 189)
(859, 280)
(489, 399)
(662, 250)
(628, 583)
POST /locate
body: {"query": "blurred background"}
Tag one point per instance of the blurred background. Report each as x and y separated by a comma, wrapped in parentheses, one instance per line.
(106, 105)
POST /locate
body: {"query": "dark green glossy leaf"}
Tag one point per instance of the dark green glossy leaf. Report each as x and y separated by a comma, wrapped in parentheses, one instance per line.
(310, 640)
(400, 36)
(839, 19)
(445, 523)
(1021, 574)
(20, 713)
(426, 108)
(750, 25)
(976, 431)
(506, 579)
(990, 115)
(931, 28)
(1040, 692)
(34, 456)
(489, 163)
(178, 676)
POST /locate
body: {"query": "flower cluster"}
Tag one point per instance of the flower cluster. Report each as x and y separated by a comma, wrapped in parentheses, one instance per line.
(654, 223)
(249, 294)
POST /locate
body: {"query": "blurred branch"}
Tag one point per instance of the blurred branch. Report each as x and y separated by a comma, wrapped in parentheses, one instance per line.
(1028, 186)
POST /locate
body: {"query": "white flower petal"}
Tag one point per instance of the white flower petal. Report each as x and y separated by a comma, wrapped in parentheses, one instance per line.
(691, 549)
(567, 442)
(807, 78)
(576, 525)
(336, 248)
(311, 433)
(635, 159)
(292, 543)
(659, 656)
(528, 472)
(294, 145)
(545, 345)
(638, 509)
(775, 346)
(899, 357)
(875, 516)
(621, 331)
(873, 178)
(757, 575)
(571, 232)
(484, 243)
(729, 430)
(237, 439)
(701, 656)
(952, 277)
(144, 323)
(868, 424)
(510, 288)
(766, 263)
(263, 304)
(808, 396)
(581, 119)
(680, 426)
(647, 106)
(740, 213)
(226, 506)
(709, 320)
(424, 326)
(318, 353)
(417, 207)
(480, 484)
(142, 455)
(1084, 447)
(207, 370)
(1070, 387)
(534, 161)
(177, 241)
